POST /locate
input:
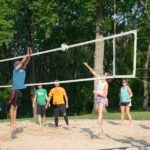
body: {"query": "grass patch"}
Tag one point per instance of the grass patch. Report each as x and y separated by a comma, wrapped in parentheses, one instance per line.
(140, 115)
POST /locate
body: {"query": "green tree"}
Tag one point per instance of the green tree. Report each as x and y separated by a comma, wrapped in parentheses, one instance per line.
(47, 24)
(7, 11)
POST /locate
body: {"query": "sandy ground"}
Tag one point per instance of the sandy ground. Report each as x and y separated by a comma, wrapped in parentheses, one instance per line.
(81, 135)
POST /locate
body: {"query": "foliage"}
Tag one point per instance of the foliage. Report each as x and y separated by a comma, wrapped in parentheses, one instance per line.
(7, 19)
(47, 24)
(4, 94)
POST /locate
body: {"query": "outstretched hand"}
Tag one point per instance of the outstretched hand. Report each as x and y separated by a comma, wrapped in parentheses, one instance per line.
(91, 69)
(27, 54)
(30, 50)
(85, 63)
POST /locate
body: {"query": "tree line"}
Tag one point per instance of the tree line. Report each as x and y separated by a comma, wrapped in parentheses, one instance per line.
(45, 25)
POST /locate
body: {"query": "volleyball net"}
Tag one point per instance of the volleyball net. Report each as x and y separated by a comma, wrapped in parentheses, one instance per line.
(66, 65)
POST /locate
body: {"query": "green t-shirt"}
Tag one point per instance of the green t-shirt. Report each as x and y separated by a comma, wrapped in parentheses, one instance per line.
(41, 96)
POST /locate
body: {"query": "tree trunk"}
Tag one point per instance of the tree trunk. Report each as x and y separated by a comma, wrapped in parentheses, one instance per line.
(146, 66)
(99, 49)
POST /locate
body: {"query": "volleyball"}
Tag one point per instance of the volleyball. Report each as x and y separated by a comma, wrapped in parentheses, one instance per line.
(64, 47)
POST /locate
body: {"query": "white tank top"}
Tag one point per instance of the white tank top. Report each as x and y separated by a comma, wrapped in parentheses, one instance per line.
(100, 86)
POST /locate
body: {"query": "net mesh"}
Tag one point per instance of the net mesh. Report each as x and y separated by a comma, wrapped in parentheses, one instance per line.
(67, 66)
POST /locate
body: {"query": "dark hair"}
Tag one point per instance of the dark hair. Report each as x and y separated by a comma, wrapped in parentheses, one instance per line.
(37, 87)
(121, 83)
(106, 74)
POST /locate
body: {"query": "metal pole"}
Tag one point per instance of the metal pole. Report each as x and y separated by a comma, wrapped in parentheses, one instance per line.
(114, 40)
(115, 16)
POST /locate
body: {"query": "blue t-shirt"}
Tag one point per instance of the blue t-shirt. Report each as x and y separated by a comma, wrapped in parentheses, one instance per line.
(19, 76)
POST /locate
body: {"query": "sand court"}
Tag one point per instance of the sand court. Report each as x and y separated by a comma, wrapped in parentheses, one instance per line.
(81, 135)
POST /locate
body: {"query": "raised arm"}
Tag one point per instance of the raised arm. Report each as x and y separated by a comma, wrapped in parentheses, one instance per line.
(25, 59)
(91, 70)
(28, 58)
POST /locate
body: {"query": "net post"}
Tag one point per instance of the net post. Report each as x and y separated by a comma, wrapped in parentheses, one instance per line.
(135, 51)
(114, 56)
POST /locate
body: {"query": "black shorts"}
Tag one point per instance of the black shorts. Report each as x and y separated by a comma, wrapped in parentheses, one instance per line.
(41, 110)
(60, 110)
(124, 103)
(15, 98)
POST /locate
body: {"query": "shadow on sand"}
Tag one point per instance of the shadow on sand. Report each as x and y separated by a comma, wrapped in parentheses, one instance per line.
(88, 132)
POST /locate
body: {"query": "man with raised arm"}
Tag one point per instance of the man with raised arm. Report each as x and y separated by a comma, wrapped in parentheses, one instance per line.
(19, 75)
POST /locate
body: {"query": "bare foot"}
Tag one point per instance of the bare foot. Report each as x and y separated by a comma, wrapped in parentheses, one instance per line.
(100, 134)
(41, 124)
(13, 128)
(122, 123)
(130, 123)
(67, 126)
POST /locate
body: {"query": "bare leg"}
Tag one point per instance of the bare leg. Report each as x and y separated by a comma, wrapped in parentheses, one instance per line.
(97, 110)
(100, 118)
(40, 120)
(44, 119)
(128, 113)
(15, 116)
(11, 117)
(122, 109)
